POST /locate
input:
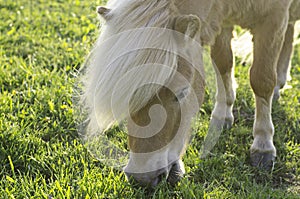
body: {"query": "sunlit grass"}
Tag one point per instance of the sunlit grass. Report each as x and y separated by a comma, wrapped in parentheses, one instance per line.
(42, 46)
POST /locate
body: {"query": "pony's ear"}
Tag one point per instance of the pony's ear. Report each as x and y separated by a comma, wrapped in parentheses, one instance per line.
(187, 24)
(103, 12)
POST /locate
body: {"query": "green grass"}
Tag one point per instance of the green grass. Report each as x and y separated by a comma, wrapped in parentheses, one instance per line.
(42, 46)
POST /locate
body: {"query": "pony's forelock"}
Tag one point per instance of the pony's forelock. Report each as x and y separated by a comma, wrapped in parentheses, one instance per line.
(125, 57)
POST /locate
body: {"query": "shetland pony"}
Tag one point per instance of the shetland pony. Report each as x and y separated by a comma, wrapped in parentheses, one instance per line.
(146, 67)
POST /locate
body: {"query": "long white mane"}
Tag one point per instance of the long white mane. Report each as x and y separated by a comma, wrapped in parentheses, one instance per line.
(126, 59)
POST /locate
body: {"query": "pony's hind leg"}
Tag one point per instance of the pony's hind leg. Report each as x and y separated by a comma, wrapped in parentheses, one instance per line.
(284, 60)
(222, 57)
(268, 40)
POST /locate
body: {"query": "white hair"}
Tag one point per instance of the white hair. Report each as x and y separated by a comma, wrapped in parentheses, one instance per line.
(123, 71)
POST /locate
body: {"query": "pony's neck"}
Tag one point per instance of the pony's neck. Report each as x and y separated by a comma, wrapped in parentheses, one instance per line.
(201, 8)
(211, 13)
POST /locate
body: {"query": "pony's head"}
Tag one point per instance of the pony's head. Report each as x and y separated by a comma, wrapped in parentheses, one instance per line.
(146, 68)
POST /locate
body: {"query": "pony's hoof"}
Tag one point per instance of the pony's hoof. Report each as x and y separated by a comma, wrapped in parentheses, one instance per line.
(264, 161)
(176, 174)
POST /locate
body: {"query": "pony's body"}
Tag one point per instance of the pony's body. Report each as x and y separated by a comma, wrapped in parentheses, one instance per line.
(271, 22)
(217, 14)
(210, 23)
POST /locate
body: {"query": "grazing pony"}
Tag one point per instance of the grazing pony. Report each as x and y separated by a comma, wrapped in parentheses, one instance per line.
(146, 67)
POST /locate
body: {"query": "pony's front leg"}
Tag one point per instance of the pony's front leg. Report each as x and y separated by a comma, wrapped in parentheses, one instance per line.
(222, 57)
(284, 60)
(268, 40)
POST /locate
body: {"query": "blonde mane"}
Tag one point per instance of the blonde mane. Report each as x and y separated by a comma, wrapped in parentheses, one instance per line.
(125, 68)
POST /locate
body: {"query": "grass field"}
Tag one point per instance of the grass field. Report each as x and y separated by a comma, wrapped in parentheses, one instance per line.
(42, 46)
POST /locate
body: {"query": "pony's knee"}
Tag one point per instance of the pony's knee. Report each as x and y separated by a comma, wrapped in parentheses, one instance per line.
(262, 82)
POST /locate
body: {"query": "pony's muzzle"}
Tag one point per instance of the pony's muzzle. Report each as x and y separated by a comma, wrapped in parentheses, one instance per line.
(149, 179)
(173, 173)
